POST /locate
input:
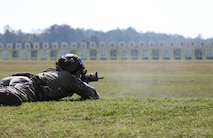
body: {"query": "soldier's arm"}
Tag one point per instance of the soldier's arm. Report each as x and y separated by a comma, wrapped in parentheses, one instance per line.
(86, 91)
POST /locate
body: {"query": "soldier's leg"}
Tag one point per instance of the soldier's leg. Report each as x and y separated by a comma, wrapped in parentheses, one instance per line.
(26, 91)
(15, 95)
(20, 89)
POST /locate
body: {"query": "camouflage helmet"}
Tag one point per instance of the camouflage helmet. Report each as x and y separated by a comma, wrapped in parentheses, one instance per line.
(70, 63)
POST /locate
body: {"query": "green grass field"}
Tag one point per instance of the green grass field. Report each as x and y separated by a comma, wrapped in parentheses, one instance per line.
(138, 99)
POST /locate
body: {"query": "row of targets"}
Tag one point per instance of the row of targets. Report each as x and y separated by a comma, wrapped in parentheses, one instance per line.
(111, 53)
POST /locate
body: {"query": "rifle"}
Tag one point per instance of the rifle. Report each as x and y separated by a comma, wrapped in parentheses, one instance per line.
(90, 77)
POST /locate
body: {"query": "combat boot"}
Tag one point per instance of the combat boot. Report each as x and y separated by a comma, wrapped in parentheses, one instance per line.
(9, 98)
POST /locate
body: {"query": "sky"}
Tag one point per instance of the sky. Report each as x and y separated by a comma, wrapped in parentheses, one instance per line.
(188, 18)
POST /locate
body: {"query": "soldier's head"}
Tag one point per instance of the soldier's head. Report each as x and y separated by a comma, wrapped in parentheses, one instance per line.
(71, 63)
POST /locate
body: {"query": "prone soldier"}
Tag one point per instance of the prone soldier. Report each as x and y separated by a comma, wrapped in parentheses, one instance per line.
(67, 78)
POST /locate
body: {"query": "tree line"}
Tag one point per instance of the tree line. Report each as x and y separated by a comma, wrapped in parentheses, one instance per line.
(65, 33)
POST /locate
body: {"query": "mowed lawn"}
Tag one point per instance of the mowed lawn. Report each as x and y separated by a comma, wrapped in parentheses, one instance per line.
(169, 98)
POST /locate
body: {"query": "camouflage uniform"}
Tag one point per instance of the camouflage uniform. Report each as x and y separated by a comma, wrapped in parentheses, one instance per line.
(54, 85)
(51, 84)
(45, 86)
(16, 89)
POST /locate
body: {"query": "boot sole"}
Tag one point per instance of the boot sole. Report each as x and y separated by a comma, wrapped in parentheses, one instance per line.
(8, 99)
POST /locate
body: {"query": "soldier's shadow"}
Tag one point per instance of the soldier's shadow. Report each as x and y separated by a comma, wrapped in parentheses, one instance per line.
(73, 99)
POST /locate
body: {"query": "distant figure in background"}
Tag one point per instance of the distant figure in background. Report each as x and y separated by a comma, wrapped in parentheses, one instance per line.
(51, 84)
